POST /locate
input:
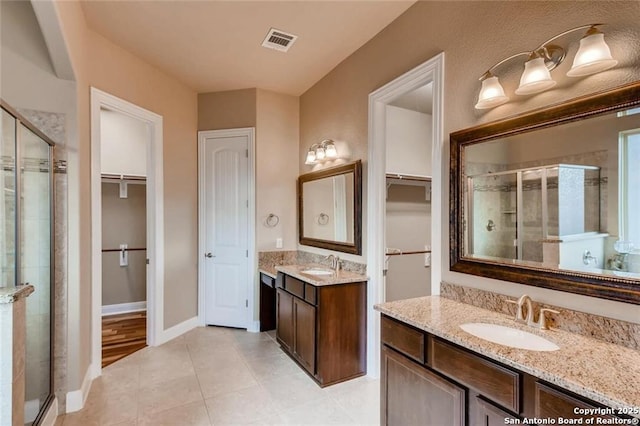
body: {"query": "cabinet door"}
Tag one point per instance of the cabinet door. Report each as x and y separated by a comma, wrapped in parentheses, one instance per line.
(412, 395)
(553, 403)
(487, 414)
(305, 334)
(284, 319)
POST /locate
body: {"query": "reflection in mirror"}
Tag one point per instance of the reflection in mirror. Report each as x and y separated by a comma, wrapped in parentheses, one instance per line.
(551, 198)
(330, 208)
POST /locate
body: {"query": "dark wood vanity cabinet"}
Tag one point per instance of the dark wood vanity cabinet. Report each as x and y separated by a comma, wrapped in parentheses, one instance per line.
(415, 395)
(430, 381)
(323, 328)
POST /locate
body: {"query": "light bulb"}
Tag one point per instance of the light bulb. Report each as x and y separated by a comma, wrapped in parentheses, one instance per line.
(320, 154)
(536, 78)
(491, 94)
(593, 55)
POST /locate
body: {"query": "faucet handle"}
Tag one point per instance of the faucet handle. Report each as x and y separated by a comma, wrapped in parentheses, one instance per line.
(519, 316)
(542, 319)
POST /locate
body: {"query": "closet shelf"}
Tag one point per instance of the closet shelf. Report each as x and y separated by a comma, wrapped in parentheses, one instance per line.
(123, 249)
(405, 179)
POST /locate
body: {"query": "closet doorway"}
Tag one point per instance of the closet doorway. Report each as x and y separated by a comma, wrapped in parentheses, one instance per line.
(395, 94)
(127, 234)
(409, 132)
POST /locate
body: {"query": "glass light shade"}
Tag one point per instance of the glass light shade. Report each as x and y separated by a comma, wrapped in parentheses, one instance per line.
(623, 247)
(320, 154)
(311, 157)
(330, 150)
(491, 94)
(536, 78)
(593, 56)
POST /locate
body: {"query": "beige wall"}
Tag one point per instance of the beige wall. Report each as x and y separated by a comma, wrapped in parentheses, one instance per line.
(99, 63)
(277, 138)
(474, 36)
(227, 110)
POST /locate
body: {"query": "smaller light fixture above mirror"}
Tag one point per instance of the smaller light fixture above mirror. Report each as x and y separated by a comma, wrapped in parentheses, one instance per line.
(319, 152)
(593, 56)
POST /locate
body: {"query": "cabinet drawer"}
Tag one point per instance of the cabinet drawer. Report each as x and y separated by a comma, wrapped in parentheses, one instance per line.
(267, 280)
(404, 339)
(494, 381)
(294, 286)
(310, 293)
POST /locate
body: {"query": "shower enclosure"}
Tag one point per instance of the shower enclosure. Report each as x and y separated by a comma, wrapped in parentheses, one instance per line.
(514, 212)
(26, 255)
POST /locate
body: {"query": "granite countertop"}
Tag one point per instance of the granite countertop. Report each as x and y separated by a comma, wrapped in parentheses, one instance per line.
(268, 270)
(601, 371)
(340, 277)
(14, 293)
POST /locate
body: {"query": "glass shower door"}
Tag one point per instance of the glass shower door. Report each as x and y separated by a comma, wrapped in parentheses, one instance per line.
(8, 201)
(35, 265)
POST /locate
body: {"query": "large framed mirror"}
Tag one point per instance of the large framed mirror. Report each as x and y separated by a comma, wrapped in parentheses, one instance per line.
(551, 198)
(330, 208)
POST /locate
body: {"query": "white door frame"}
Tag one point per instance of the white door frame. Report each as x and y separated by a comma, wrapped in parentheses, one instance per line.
(155, 221)
(249, 132)
(430, 71)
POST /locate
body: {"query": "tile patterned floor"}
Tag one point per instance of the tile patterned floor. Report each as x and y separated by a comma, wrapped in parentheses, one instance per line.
(217, 376)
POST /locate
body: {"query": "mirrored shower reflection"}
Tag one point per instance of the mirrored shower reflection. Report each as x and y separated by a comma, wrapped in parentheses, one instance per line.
(35, 266)
(561, 200)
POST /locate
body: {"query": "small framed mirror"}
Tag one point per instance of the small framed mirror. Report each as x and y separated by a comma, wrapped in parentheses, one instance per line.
(551, 198)
(330, 208)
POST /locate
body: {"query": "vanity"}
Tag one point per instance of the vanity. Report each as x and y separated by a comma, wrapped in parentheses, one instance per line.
(321, 321)
(434, 373)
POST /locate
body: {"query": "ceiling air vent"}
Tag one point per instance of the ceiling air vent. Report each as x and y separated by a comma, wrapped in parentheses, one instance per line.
(278, 40)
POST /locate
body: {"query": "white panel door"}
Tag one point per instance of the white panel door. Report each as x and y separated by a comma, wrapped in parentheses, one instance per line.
(226, 192)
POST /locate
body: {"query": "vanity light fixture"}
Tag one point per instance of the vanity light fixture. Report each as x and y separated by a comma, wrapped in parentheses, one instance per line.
(593, 56)
(318, 152)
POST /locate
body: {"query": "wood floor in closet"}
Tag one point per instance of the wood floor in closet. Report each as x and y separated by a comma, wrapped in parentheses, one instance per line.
(123, 335)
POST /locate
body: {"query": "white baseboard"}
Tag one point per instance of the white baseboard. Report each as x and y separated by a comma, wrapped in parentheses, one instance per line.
(124, 308)
(49, 419)
(178, 330)
(77, 398)
(254, 327)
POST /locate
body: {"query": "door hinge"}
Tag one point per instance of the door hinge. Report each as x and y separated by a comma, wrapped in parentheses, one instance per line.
(147, 261)
(247, 253)
(247, 203)
(246, 153)
(246, 303)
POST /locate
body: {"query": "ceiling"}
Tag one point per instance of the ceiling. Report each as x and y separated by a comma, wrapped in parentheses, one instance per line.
(216, 45)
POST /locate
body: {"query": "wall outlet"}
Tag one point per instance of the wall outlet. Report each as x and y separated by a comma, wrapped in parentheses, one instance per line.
(278, 242)
(427, 257)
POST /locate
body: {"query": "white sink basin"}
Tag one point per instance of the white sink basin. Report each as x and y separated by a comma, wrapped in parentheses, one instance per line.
(508, 336)
(317, 271)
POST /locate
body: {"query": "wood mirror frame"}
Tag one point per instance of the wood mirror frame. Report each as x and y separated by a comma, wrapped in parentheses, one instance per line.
(346, 247)
(607, 287)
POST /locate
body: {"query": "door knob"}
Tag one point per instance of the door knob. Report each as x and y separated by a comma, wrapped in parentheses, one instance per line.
(209, 255)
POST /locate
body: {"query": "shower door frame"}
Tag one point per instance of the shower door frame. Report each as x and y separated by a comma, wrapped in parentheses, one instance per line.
(20, 119)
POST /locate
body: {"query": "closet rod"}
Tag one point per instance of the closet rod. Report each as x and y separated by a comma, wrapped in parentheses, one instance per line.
(125, 249)
(408, 177)
(122, 177)
(402, 253)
